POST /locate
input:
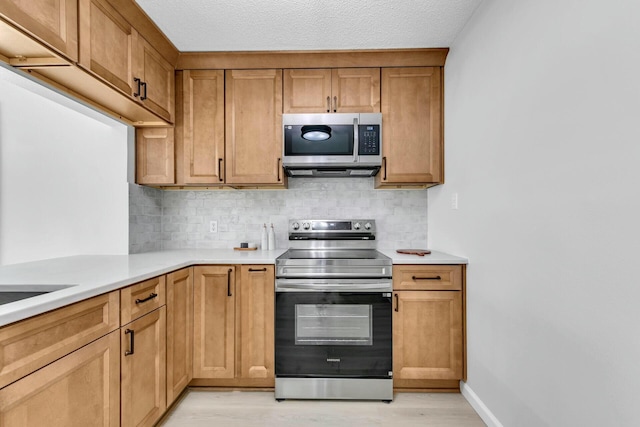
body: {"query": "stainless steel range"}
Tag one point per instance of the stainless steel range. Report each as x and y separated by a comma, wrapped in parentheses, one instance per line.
(333, 313)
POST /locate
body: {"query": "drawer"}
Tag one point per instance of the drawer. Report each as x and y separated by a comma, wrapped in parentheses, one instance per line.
(30, 344)
(427, 277)
(141, 298)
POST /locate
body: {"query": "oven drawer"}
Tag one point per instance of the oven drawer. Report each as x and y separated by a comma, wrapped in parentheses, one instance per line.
(427, 277)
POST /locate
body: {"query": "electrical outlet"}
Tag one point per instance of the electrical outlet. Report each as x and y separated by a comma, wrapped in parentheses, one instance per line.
(454, 201)
(213, 226)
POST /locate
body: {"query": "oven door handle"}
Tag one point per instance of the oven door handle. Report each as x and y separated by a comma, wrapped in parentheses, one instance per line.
(288, 285)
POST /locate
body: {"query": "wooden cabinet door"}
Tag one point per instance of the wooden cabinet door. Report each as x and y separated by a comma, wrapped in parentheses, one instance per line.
(201, 152)
(81, 389)
(179, 332)
(53, 22)
(427, 337)
(107, 43)
(30, 344)
(339, 90)
(155, 160)
(143, 375)
(355, 90)
(412, 126)
(253, 141)
(307, 91)
(214, 321)
(156, 74)
(255, 334)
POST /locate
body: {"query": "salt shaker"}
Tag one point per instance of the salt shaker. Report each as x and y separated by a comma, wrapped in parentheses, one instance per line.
(264, 240)
(272, 238)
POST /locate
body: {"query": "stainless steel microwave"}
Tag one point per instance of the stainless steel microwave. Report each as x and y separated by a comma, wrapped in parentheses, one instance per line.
(332, 145)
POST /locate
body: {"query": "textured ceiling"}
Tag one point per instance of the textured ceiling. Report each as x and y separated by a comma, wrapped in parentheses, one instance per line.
(237, 25)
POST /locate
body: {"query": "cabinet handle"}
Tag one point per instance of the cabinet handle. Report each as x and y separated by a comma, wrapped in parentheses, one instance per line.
(384, 165)
(131, 342)
(144, 86)
(426, 278)
(150, 297)
(397, 303)
(278, 167)
(137, 82)
(258, 269)
(328, 104)
(229, 282)
(335, 104)
(220, 170)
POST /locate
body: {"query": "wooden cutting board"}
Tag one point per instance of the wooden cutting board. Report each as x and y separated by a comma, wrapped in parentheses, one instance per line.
(419, 252)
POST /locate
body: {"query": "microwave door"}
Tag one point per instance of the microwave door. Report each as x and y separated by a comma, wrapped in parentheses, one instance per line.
(320, 144)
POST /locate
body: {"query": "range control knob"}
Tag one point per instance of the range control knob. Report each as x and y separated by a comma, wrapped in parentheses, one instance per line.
(295, 226)
(367, 226)
(306, 225)
(356, 226)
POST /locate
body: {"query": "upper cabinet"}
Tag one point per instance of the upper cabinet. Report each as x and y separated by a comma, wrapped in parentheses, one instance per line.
(107, 44)
(155, 156)
(111, 48)
(412, 127)
(228, 132)
(54, 23)
(106, 53)
(156, 76)
(338, 90)
(253, 140)
(200, 127)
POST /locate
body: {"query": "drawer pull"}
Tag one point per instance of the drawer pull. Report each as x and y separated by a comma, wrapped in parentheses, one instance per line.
(138, 83)
(258, 269)
(131, 342)
(278, 168)
(426, 278)
(384, 161)
(150, 297)
(144, 86)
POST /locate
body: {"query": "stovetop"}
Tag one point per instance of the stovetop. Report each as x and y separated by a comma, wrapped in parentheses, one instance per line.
(332, 248)
(326, 254)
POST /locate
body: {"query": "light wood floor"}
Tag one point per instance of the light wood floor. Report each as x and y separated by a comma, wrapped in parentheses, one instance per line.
(254, 408)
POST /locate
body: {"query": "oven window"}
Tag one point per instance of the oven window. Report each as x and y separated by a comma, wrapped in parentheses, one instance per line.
(334, 324)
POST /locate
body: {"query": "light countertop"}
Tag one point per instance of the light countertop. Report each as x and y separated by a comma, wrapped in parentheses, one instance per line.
(435, 257)
(92, 275)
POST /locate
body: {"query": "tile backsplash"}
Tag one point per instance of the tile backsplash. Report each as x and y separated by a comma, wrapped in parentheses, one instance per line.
(180, 219)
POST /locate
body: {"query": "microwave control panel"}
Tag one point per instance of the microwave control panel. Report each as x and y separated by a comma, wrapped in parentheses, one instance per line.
(369, 140)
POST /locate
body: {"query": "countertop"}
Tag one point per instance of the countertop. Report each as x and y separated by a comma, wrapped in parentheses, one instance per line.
(92, 275)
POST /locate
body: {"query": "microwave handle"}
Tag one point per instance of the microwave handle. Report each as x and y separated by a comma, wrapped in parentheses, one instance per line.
(356, 139)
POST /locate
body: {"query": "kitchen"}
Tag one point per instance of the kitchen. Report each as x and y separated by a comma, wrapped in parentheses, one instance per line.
(521, 132)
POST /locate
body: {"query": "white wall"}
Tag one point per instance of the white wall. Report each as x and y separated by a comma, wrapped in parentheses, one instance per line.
(543, 147)
(63, 176)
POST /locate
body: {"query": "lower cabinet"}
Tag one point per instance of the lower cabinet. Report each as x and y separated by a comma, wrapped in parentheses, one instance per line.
(233, 326)
(143, 376)
(80, 389)
(428, 327)
(179, 332)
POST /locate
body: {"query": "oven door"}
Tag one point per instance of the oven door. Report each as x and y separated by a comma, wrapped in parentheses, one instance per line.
(333, 334)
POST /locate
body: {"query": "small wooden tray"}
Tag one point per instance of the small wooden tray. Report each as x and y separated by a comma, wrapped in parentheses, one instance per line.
(419, 252)
(245, 249)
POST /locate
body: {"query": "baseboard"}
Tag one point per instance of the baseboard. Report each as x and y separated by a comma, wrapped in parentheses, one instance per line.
(487, 416)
